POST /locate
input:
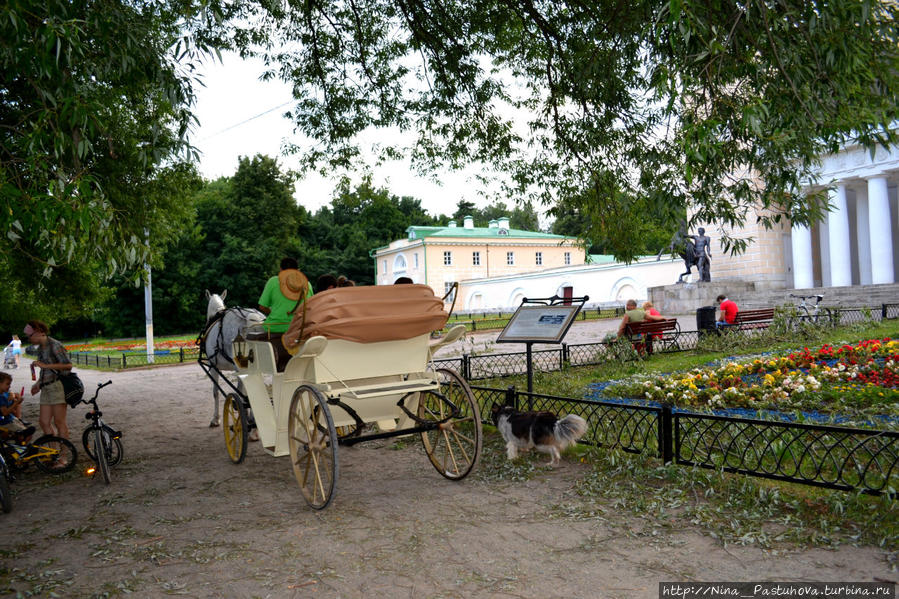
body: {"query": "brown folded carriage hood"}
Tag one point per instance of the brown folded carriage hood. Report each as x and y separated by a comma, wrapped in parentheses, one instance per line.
(367, 314)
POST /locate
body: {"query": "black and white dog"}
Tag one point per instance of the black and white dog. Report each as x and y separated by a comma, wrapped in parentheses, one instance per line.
(542, 431)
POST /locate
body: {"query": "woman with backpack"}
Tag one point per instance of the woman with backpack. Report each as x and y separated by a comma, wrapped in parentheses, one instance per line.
(53, 360)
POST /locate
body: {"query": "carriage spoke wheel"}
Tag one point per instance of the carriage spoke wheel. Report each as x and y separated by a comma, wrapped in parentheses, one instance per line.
(313, 446)
(455, 446)
(234, 417)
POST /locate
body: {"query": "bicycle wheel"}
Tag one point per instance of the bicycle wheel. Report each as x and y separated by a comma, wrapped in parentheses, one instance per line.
(234, 416)
(313, 446)
(5, 492)
(98, 443)
(455, 445)
(57, 455)
(114, 449)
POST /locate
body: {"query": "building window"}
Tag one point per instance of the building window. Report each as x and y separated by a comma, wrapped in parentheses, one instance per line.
(567, 258)
(399, 264)
(447, 258)
(510, 258)
(415, 257)
(447, 286)
(384, 266)
(476, 258)
(539, 258)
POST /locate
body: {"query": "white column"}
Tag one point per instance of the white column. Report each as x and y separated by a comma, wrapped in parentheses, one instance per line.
(863, 234)
(880, 225)
(838, 239)
(803, 269)
(824, 252)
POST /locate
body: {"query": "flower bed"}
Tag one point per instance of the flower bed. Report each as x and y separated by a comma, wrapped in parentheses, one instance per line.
(132, 346)
(860, 379)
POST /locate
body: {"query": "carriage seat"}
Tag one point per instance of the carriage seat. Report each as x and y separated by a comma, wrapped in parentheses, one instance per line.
(282, 357)
(367, 315)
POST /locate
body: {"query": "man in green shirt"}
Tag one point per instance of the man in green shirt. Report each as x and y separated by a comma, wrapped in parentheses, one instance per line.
(634, 314)
(281, 296)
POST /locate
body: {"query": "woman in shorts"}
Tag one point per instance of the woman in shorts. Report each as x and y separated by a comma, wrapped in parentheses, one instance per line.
(52, 359)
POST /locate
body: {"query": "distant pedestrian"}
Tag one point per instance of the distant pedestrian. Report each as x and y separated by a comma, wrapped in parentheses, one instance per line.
(15, 347)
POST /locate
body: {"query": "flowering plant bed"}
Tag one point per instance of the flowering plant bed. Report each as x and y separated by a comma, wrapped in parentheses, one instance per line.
(850, 380)
(133, 345)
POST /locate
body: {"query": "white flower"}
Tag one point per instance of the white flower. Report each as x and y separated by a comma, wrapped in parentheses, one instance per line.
(800, 388)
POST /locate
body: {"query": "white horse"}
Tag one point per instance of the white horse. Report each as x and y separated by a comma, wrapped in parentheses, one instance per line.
(218, 336)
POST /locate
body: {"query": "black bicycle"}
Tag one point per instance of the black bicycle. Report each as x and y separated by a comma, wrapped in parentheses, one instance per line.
(101, 442)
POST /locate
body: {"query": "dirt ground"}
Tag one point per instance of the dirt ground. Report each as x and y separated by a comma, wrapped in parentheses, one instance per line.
(180, 519)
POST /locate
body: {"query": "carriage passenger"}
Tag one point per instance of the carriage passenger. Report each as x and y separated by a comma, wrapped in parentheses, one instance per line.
(282, 295)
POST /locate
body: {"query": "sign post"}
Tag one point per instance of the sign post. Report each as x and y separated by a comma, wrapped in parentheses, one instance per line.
(541, 320)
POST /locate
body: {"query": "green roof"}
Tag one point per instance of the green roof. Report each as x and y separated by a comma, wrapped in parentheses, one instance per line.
(423, 232)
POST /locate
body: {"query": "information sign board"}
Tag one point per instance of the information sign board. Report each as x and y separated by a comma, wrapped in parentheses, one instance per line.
(538, 324)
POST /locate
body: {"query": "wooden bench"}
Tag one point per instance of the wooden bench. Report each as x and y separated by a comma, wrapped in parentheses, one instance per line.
(753, 319)
(644, 334)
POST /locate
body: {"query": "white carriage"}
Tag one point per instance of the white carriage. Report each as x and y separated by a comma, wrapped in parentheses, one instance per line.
(360, 370)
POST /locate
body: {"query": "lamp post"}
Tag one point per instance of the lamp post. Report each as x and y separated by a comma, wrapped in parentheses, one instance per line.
(148, 305)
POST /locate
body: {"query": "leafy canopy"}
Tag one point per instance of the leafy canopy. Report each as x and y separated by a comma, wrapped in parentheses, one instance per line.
(94, 107)
(716, 107)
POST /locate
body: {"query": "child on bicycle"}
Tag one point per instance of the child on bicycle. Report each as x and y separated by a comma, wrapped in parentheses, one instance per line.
(11, 410)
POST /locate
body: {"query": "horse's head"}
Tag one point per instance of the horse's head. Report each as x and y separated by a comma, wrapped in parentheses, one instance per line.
(216, 303)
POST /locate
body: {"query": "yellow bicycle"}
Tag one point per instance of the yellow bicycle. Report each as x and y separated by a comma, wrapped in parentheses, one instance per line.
(49, 453)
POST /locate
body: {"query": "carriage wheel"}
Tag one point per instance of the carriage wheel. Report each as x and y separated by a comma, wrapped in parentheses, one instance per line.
(234, 416)
(313, 446)
(455, 446)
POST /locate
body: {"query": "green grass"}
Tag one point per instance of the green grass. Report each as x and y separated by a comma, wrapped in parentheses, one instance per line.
(731, 508)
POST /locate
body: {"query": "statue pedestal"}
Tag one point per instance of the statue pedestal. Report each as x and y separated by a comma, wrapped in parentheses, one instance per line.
(686, 298)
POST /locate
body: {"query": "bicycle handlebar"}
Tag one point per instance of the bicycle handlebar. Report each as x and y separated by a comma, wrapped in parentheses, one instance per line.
(93, 399)
(818, 296)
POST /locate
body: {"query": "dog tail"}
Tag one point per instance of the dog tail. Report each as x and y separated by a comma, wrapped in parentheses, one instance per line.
(569, 429)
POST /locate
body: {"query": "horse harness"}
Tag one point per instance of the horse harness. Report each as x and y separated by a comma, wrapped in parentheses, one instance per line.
(218, 317)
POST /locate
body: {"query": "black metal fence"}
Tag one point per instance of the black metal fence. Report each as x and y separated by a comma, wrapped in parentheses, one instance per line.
(833, 457)
(131, 360)
(484, 366)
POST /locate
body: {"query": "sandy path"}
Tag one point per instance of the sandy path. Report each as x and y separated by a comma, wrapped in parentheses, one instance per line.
(181, 519)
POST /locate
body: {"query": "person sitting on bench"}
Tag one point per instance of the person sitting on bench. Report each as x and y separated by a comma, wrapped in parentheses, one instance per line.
(634, 314)
(727, 311)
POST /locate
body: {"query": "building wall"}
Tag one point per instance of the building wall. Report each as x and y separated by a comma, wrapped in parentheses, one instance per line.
(398, 259)
(605, 283)
(764, 261)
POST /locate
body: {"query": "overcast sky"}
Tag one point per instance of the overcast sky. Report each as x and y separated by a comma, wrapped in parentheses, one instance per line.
(241, 116)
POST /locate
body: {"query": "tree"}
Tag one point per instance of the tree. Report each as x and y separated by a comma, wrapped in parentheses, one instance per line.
(340, 237)
(715, 107)
(95, 111)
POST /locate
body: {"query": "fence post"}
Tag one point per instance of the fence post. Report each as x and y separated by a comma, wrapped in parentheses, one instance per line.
(883, 311)
(511, 397)
(565, 356)
(124, 362)
(474, 325)
(666, 434)
(466, 367)
(181, 354)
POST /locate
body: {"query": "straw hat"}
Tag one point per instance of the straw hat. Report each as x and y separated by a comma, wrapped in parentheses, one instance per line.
(293, 283)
